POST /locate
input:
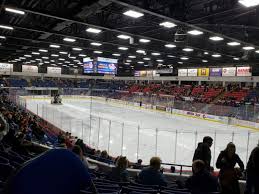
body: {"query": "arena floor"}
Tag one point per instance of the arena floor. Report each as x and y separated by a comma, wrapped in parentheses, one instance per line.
(172, 137)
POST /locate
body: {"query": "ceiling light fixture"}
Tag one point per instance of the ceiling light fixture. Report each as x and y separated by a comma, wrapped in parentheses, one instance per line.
(54, 46)
(14, 11)
(77, 49)
(132, 57)
(82, 55)
(98, 52)
(93, 30)
(248, 48)
(43, 50)
(35, 53)
(95, 43)
(233, 43)
(63, 53)
(6, 27)
(249, 3)
(141, 51)
(54, 55)
(205, 61)
(216, 38)
(206, 53)
(195, 32)
(2, 37)
(188, 49)
(170, 45)
(171, 56)
(144, 40)
(123, 36)
(140, 62)
(146, 59)
(155, 54)
(133, 14)
(160, 60)
(69, 39)
(123, 48)
(167, 24)
(184, 58)
(216, 55)
(236, 58)
(116, 54)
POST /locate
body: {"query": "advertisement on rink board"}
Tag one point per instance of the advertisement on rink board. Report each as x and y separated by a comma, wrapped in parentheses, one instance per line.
(215, 72)
(54, 70)
(244, 71)
(203, 72)
(229, 71)
(192, 72)
(182, 72)
(6, 67)
(30, 68)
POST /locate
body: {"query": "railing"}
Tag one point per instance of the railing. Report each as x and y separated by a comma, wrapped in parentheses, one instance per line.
(104, 132)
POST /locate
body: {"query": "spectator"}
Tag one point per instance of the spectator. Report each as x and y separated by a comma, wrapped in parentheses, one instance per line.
(201, 181)
(104, 157)
(152, 175)
(78, 151)
(203, 152)
(252, 186)
(138, 165)
(119, 172)
(228, 175)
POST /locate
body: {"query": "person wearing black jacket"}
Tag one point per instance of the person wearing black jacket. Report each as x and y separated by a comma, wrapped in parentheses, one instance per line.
(252, 170)
(228, 175)
(203, 152)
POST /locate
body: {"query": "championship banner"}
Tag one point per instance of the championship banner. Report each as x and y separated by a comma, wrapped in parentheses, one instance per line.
(54, 70)
(192, 72)
(215, 72)
(244, 71)
(6, 67)
(30, 69)
(229, 71)
(203, 72)
(182, 72)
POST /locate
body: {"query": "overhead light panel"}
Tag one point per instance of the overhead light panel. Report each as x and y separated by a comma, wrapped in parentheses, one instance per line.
(82, 55)
(123, 48)
(2, 37)
(216, 55)
(188, 49)
(155, 54)
(140, 62)
(249, 3)
(257, 51)
(141, 51)
(184, 58)
(43, 50)
(195, 32)
(216, 38)
(171, 56)
(14, 11)
(123, 36)
(180, 62)
(35, 53)
(233, 43)
(170, 45)
(128, 61)
(116, 54)
(236, 58)
(98, 52)
(133, 14)
(77, 49)
(69, 39)
(132, 56)
(167, 24)
(27, 55)
(63, 52)
(95, 43)
(160, 60)
(93, 30)
(248, 48)
(144, 40)
(61, 59)
(54, 46)
(146, 59)
(45, 57)
(205, 61)
(6, 27)
(54, 55)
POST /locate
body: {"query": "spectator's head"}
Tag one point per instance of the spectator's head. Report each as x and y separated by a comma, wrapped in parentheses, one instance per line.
(139, 162)
(155, 163)
(198, 166)
(78, 151)
(172, 169)
(104, 154)
(208, 140)
(230, 149)
(122, 163)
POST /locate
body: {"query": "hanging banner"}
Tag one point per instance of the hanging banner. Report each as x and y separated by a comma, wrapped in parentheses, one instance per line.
(244, 71)
(182, 72)
(54, 70)
(192, 72)
(229, 71)
(215, 72)
(6, 67)
(30, 69)
(203, 72)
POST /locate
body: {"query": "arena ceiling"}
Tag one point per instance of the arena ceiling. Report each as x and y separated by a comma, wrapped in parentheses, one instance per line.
(147, 41)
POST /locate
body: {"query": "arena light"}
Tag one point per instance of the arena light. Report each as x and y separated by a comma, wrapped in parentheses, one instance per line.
(257, 51)
(95, 43)
(82, 55)
(77, 49)
(133, 14)
(160, 60)
(38, 59)
(27, 55)
(171, 56)
(6, 27)
(180, 62)
(116, 54)
(170, 45)
(14, 11)
(98, 52)
(248, 48)
(216, 55)
(146, 59)
(123, 48)
(71, 57)
(69, 39)
(144, 40)
(132, 56)
(195, 32)
(46, 62)
(123, 36)
(35, 53)
(63, 53)
(2, 37)
(22, 58)
(205, 61)
(206, 53)
(249, 3)
(167, 24)
(140, 62)
(128, 61)
(141, 51)
(54, 55)
(61, 59)
(45, 57)
(184, 58)
(216, 38)
(93, 30)
(188, 49)
(233, 43)
(236, 58)
(54, 46)
(155, 54)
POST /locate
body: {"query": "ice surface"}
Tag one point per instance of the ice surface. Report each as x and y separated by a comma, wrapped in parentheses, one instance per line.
(139, 133)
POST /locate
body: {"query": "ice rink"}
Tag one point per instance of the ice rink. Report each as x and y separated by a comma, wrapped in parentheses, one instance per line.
(141, 133)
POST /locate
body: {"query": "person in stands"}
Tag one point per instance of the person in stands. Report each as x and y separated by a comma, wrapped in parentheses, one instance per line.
(228, 175)
(138, 165)
(203, 151)
(201, 181)
(252, 170)
(78, 151)
(152, 174)
(119, 172)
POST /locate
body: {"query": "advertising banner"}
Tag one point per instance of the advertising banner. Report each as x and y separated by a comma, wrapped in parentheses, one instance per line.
(244, 71)
(229, 71)
(107, 65)
(54, 70)
(182, 72)
(203, 72)
(6, 67)
(88, 65)
(165, 71)
(192, 72)
(215, 72)
(30, 69)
